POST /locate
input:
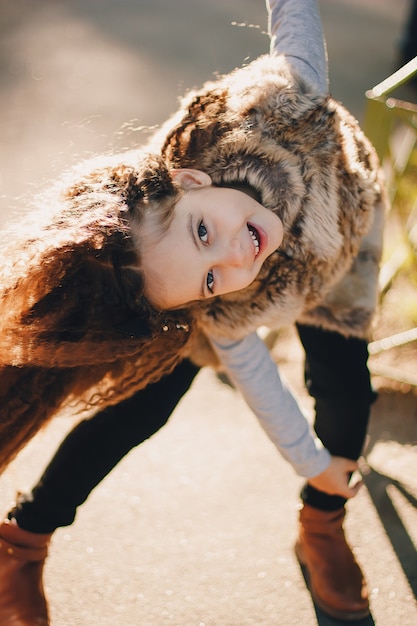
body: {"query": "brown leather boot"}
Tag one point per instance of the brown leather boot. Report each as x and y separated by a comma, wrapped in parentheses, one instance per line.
(335, 580)
(22, 557)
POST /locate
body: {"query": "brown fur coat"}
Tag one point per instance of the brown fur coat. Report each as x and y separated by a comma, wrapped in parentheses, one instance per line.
(307, 159)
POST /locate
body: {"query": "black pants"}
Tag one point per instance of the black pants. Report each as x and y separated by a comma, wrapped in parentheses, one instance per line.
(336, 375)
(94, 447)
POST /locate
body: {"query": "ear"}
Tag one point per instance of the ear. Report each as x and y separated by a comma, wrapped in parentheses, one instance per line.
(191, 179)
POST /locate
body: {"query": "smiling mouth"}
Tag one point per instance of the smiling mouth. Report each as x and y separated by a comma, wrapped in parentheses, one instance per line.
(255, 238)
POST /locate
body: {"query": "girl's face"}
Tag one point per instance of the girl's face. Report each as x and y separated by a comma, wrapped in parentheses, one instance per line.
(216, 243)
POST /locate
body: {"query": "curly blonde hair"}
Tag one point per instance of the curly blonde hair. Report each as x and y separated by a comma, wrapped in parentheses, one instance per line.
(74, 319)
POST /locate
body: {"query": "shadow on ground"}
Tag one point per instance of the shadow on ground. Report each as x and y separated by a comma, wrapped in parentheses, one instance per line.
(379, 487)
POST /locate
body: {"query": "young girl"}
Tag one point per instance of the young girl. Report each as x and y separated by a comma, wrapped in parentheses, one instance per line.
(259, 203)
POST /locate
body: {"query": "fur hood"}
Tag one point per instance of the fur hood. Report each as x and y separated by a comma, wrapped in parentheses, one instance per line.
(306, 159)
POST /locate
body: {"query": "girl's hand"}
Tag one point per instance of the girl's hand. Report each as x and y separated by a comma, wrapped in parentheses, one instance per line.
(336, 478)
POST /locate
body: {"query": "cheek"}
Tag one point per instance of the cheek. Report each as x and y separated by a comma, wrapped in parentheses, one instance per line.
(275, 231)
(238, 279)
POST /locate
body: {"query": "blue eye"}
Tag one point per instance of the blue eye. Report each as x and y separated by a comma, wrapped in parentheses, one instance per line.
(202, 232)
(210, 281)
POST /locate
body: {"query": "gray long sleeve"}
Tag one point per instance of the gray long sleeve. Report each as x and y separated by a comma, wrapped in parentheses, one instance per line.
(296, 32)
(252, 369)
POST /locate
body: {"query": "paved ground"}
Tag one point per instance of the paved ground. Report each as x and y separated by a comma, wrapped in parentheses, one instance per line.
(196, 527)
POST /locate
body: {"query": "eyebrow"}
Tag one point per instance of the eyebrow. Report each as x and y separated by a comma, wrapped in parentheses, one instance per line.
(202, 294)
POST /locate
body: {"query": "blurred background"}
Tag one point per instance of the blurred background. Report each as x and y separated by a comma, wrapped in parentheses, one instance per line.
(80, 76)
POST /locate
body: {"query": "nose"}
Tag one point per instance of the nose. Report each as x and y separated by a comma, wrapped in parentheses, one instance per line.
(233, 254)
